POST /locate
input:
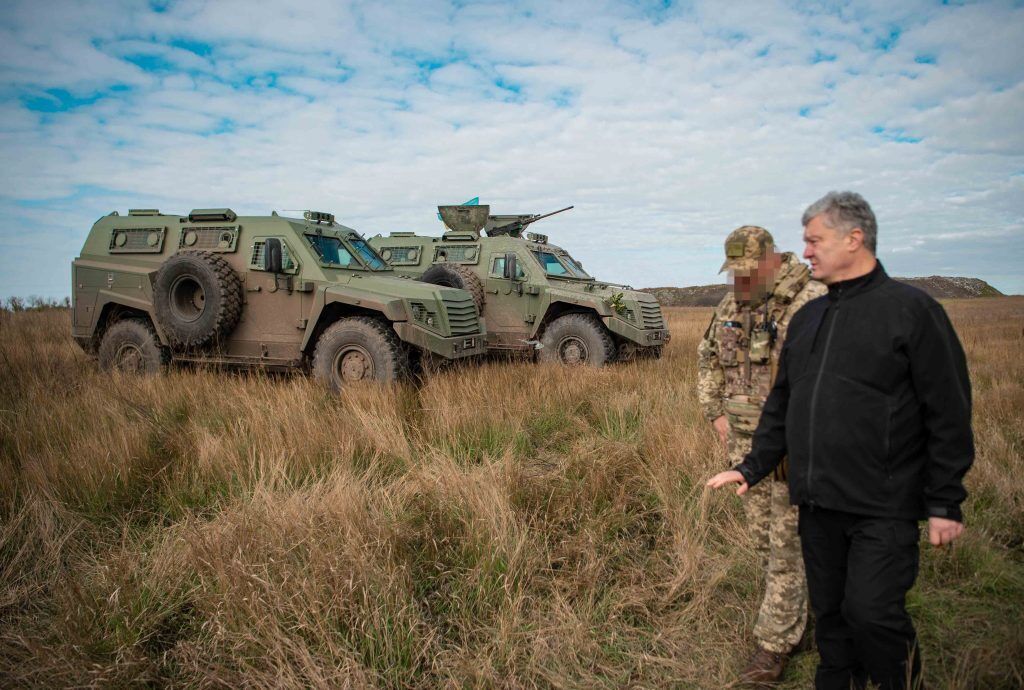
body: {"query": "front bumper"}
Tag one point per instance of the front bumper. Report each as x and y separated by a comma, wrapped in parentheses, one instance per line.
(642, 337)
(451, 347)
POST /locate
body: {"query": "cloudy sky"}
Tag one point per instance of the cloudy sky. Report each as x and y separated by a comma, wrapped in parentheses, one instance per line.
(666, 124)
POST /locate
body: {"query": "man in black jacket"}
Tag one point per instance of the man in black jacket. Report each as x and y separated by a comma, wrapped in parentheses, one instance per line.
(872, 405)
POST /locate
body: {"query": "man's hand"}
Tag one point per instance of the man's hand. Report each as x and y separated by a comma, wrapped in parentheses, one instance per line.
(721, 425)
(729, 477)
(942, 531)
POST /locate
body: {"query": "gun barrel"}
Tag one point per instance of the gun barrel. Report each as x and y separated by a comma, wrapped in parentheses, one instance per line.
(516, 227)
(546, 215)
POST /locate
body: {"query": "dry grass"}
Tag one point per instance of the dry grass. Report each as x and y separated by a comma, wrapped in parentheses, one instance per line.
(500, 526)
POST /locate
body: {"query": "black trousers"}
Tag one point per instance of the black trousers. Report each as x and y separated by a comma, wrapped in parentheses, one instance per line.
(859, 570)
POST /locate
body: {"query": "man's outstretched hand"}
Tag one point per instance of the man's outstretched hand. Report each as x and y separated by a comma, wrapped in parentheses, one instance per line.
(940, 530)
(729, 477)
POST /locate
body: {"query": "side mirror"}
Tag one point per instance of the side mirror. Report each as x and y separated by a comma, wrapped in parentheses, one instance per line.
(272, 255)
(511, 269)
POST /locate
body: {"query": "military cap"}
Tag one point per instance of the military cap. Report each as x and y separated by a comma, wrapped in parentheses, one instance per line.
(744, 246)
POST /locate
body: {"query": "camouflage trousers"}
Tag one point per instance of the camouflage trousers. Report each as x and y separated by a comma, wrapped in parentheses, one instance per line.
(773, 523)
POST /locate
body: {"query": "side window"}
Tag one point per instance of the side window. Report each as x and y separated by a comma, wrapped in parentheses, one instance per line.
(288, 263)
(498, 268)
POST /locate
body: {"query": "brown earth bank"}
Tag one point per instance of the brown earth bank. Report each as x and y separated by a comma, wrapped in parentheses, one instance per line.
(502, 525)
(939, 287)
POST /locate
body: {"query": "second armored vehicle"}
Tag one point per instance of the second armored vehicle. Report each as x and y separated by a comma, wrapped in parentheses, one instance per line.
(264, 291)
(532, 294)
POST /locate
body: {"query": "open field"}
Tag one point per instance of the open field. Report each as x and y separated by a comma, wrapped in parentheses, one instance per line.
(499, 526)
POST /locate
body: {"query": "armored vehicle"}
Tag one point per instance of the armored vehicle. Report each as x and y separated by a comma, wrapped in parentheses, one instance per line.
(533, 295)
(265, 291)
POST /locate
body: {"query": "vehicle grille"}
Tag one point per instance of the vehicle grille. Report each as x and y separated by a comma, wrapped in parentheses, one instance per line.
(462, 315)
(651, 315)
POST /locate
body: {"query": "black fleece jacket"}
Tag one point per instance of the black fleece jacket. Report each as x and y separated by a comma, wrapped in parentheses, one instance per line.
(872, 404)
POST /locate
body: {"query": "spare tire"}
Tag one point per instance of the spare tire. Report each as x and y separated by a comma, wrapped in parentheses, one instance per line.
(457, 276)
(197, 298)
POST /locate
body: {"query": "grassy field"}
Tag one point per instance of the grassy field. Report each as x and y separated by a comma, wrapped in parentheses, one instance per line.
(499, 526)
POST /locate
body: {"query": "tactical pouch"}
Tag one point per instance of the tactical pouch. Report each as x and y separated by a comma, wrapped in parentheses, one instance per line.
(742, 416)
(730, 341)
(760, 346)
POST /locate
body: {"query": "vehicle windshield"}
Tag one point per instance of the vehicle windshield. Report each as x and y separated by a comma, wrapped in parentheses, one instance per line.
(353, 254)
(575, 266)
(367, 253)
(332, 251)
(559, 266)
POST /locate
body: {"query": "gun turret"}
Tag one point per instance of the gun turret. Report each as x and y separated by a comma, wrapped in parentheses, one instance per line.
(517, 224)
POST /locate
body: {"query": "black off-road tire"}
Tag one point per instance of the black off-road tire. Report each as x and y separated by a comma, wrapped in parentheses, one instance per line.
(457, 276)
(358, 348)
(577, 339)
(131, 346)
(197, 297)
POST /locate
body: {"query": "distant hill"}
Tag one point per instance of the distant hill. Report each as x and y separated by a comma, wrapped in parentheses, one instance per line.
(939, 287)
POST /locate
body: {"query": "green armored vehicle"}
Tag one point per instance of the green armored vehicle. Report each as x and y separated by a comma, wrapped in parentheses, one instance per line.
(264, 291)
(532, 294)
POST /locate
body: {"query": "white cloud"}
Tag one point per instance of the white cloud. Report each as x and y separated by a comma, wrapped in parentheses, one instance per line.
(666, 129)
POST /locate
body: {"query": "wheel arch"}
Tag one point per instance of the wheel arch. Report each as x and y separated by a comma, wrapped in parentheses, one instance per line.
(558, 309)
(331, 312)
(112, 309)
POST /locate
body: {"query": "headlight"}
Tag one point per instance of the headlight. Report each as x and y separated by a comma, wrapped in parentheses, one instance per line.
(421, 313)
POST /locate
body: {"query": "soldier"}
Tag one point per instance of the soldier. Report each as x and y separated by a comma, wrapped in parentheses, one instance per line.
(737, 361)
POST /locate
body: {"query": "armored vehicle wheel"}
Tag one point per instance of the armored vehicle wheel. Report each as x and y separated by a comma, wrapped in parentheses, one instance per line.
(577, 339)
(132, 347)
(457, 276)
(197, 297)
(358, 349)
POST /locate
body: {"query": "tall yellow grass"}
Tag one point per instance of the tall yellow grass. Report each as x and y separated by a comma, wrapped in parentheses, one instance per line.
(505, 525)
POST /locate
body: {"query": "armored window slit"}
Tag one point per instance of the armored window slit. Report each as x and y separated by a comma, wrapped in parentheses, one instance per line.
(136, 240)
(210, 239)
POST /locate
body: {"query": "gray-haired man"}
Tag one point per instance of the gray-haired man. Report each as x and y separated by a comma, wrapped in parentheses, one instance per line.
(872, 403)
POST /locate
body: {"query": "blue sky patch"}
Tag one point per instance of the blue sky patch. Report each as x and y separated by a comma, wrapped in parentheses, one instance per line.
(897, 135)
(563, 98)
(819, 56)
(198, 47)
(58, 101)
(888, 42)
(925, 60)
(150, 63)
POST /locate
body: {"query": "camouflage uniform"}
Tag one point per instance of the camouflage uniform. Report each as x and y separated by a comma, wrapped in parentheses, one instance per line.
(737, 361)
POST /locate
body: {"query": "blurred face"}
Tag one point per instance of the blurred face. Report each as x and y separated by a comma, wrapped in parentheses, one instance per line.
(830, 252)
(756, 283)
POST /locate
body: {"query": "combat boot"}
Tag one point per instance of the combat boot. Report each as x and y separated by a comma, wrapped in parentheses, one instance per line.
(764, 669)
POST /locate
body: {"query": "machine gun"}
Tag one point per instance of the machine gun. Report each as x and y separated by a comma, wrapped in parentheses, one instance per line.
(515, 228)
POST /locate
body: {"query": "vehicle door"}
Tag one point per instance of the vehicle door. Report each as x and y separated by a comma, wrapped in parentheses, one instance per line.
(511, 305)
(276, 305)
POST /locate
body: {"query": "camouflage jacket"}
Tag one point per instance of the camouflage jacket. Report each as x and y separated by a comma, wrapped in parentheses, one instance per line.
(737, 358)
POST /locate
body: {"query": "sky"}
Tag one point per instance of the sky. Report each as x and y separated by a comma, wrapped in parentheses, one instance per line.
(665, 124)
